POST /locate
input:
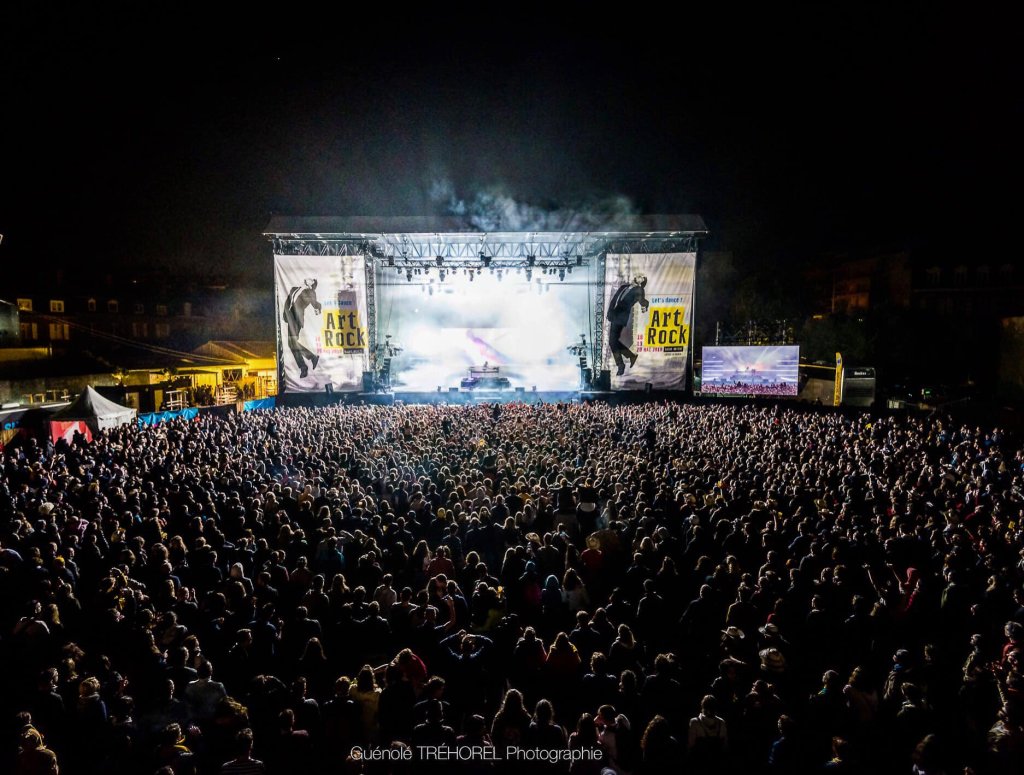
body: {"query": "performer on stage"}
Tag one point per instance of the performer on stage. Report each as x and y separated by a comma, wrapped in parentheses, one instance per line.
(619, 309)
(294, 315)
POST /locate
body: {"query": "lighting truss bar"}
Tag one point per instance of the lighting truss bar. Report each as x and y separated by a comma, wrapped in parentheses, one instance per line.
(505, 249)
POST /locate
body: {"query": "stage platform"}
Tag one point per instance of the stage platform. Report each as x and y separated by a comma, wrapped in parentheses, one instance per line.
(470, 397)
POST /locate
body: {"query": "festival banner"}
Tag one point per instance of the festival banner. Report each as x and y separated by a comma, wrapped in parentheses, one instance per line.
(648, 314)
(321, 320)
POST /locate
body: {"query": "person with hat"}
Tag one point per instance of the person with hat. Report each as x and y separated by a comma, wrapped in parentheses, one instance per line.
(733, 643)
(773, 663)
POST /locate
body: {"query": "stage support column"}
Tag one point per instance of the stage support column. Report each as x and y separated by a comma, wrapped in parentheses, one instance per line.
(597, 338)
(371, 306)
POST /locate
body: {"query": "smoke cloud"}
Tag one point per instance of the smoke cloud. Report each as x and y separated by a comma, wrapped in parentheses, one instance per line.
(494, 209)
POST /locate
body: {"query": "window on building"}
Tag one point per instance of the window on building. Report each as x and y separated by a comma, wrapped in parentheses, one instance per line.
(140, 330)
(112, 305)
(162, 330)
(25, 305)
(138, 309)
(91, 305)
(960, 275)
(161, 309)
(982, 274)
(186, 309)
(29, 332)
(934, 275)
(1005, 275)
(56, 305)
(59, 332)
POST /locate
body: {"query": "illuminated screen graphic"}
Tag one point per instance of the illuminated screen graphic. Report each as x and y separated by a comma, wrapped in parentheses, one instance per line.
(520, 326)
(751, 371)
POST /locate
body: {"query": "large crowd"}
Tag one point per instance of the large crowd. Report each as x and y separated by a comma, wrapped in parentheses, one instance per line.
(555, 588)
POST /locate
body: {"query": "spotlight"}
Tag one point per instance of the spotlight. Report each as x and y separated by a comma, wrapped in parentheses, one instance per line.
(441, 275)
(499, 275)
(398, 271)
(561, 275)
(529, 274)
(440, 260)
(472, 275)
(391, 260)
(579, 260)
(408, 275)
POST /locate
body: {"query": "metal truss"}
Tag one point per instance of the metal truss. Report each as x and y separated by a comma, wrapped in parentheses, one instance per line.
(757, 332)
(598, 342)
(371, 306)
(466, 250)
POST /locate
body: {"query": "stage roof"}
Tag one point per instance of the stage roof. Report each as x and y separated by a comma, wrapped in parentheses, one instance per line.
(330, 226)
(558, 237)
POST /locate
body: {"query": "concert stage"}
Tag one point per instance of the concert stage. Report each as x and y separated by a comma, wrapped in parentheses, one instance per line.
(409, 306)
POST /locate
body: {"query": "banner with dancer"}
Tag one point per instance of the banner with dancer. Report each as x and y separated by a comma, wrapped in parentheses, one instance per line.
(321, 319)
(648, 314)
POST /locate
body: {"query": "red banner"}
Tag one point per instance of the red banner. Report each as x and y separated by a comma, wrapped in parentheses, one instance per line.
(66, 430)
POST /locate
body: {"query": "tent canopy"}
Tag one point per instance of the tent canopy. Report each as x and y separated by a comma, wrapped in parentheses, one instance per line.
(99, 412)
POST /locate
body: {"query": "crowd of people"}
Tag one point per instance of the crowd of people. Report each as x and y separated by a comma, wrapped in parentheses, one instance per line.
(606, 590)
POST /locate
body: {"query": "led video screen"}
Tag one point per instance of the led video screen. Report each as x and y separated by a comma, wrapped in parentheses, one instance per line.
(751, 371)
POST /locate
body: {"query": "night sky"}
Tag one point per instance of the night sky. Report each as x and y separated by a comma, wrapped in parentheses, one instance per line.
(162, 136)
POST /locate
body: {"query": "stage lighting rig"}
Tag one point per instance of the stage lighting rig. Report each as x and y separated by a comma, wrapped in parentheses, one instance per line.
(579, 348)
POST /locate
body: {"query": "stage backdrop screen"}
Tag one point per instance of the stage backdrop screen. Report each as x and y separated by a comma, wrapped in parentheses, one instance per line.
(321, 322)
(648, 300)
(750, 371)
(498, 319)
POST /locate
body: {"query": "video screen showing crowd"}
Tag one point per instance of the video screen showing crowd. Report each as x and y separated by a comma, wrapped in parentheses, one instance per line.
(751, 371)
(564, 588)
